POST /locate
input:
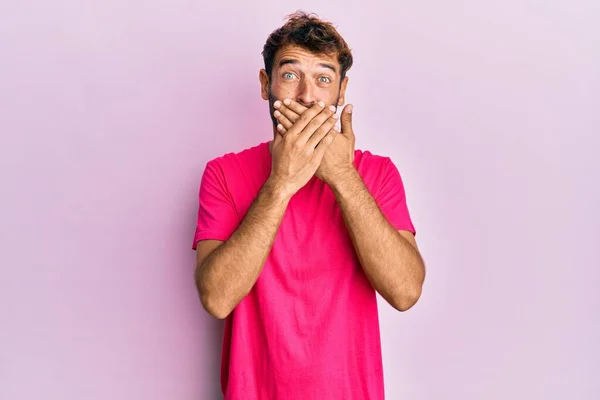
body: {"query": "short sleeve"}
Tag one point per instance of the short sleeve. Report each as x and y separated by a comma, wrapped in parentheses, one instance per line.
(217, 216)
(391, 198)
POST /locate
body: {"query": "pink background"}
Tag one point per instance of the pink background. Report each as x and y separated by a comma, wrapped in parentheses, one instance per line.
(110, 109)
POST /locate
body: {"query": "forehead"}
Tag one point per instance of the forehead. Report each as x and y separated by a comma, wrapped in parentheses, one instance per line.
(304, 58)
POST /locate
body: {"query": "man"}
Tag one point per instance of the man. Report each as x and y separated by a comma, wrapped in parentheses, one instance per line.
(295, 235)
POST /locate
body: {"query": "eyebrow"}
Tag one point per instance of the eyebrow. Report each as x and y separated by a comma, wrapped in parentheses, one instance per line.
(285, 61)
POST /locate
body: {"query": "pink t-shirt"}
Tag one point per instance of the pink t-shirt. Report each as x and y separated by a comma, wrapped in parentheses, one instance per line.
(309, 328)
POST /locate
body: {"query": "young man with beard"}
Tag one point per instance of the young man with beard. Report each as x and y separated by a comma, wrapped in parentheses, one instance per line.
(296, 235)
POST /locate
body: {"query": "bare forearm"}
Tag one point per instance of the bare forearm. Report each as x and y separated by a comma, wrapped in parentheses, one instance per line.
(228, 274)
(392, 264)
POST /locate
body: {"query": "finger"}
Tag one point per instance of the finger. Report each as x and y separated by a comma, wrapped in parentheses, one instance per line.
(323, 146)
(294, 106)
(307, 117)
(289, 114)
(283, 120)
(281, 129)
(325, 117)
(323, 130)
(346, 120)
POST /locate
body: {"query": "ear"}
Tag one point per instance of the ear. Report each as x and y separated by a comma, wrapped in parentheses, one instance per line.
(342, 99)
(263, 77)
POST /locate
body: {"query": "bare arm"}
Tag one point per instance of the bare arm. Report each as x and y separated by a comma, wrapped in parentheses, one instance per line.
(226, 271)
(390, 258)
(225, 275)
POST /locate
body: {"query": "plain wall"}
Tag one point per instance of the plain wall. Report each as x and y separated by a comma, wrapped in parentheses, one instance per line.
(109, 111)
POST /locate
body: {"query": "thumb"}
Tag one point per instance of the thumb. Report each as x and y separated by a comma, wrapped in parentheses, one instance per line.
(346, 120)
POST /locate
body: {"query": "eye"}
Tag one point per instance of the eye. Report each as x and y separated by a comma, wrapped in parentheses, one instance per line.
(288, 75)
(324, 79)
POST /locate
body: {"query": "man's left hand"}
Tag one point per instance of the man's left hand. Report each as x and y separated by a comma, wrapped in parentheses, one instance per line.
(339, 158)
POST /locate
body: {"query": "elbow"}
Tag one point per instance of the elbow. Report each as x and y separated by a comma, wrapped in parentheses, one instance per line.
(212, 299)
(215, 302)
(213, 305)
(217, 313)
(405, 301)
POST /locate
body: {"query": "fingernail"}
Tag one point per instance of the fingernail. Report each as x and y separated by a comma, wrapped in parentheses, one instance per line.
(332, 108)
(334, 116)
(277, 104)
(322, 104)
(287, 102)
(277, 113)
(349, 108)
(280, 127)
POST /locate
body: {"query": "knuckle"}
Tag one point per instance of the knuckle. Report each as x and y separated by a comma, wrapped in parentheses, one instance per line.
(325, 114)
(305, 118)
(319, 131)
(288, 140)
(323, 117)
(330, 122)
(324, 129)
(315, 123)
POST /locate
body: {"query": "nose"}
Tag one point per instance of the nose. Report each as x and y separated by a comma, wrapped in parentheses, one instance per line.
(306, 93)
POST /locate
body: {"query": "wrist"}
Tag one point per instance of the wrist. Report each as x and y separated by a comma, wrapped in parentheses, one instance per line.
(277, 191)
(344, 179)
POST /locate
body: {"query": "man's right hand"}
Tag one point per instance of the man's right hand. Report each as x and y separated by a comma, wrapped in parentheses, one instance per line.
(298, 154)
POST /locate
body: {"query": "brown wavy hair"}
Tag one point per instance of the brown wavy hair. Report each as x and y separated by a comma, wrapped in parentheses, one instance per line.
(311, 33)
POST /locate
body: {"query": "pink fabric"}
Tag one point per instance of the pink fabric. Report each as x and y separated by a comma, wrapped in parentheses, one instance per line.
(309, 328)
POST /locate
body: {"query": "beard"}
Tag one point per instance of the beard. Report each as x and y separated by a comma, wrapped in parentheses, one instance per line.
(273, 99)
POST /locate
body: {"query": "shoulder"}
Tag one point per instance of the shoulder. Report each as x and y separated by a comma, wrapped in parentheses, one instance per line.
(377, 171)
(240, 157)
(367, 161)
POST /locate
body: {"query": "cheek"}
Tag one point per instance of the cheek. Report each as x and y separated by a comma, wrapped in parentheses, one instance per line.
(283, 89)
(328, 95)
